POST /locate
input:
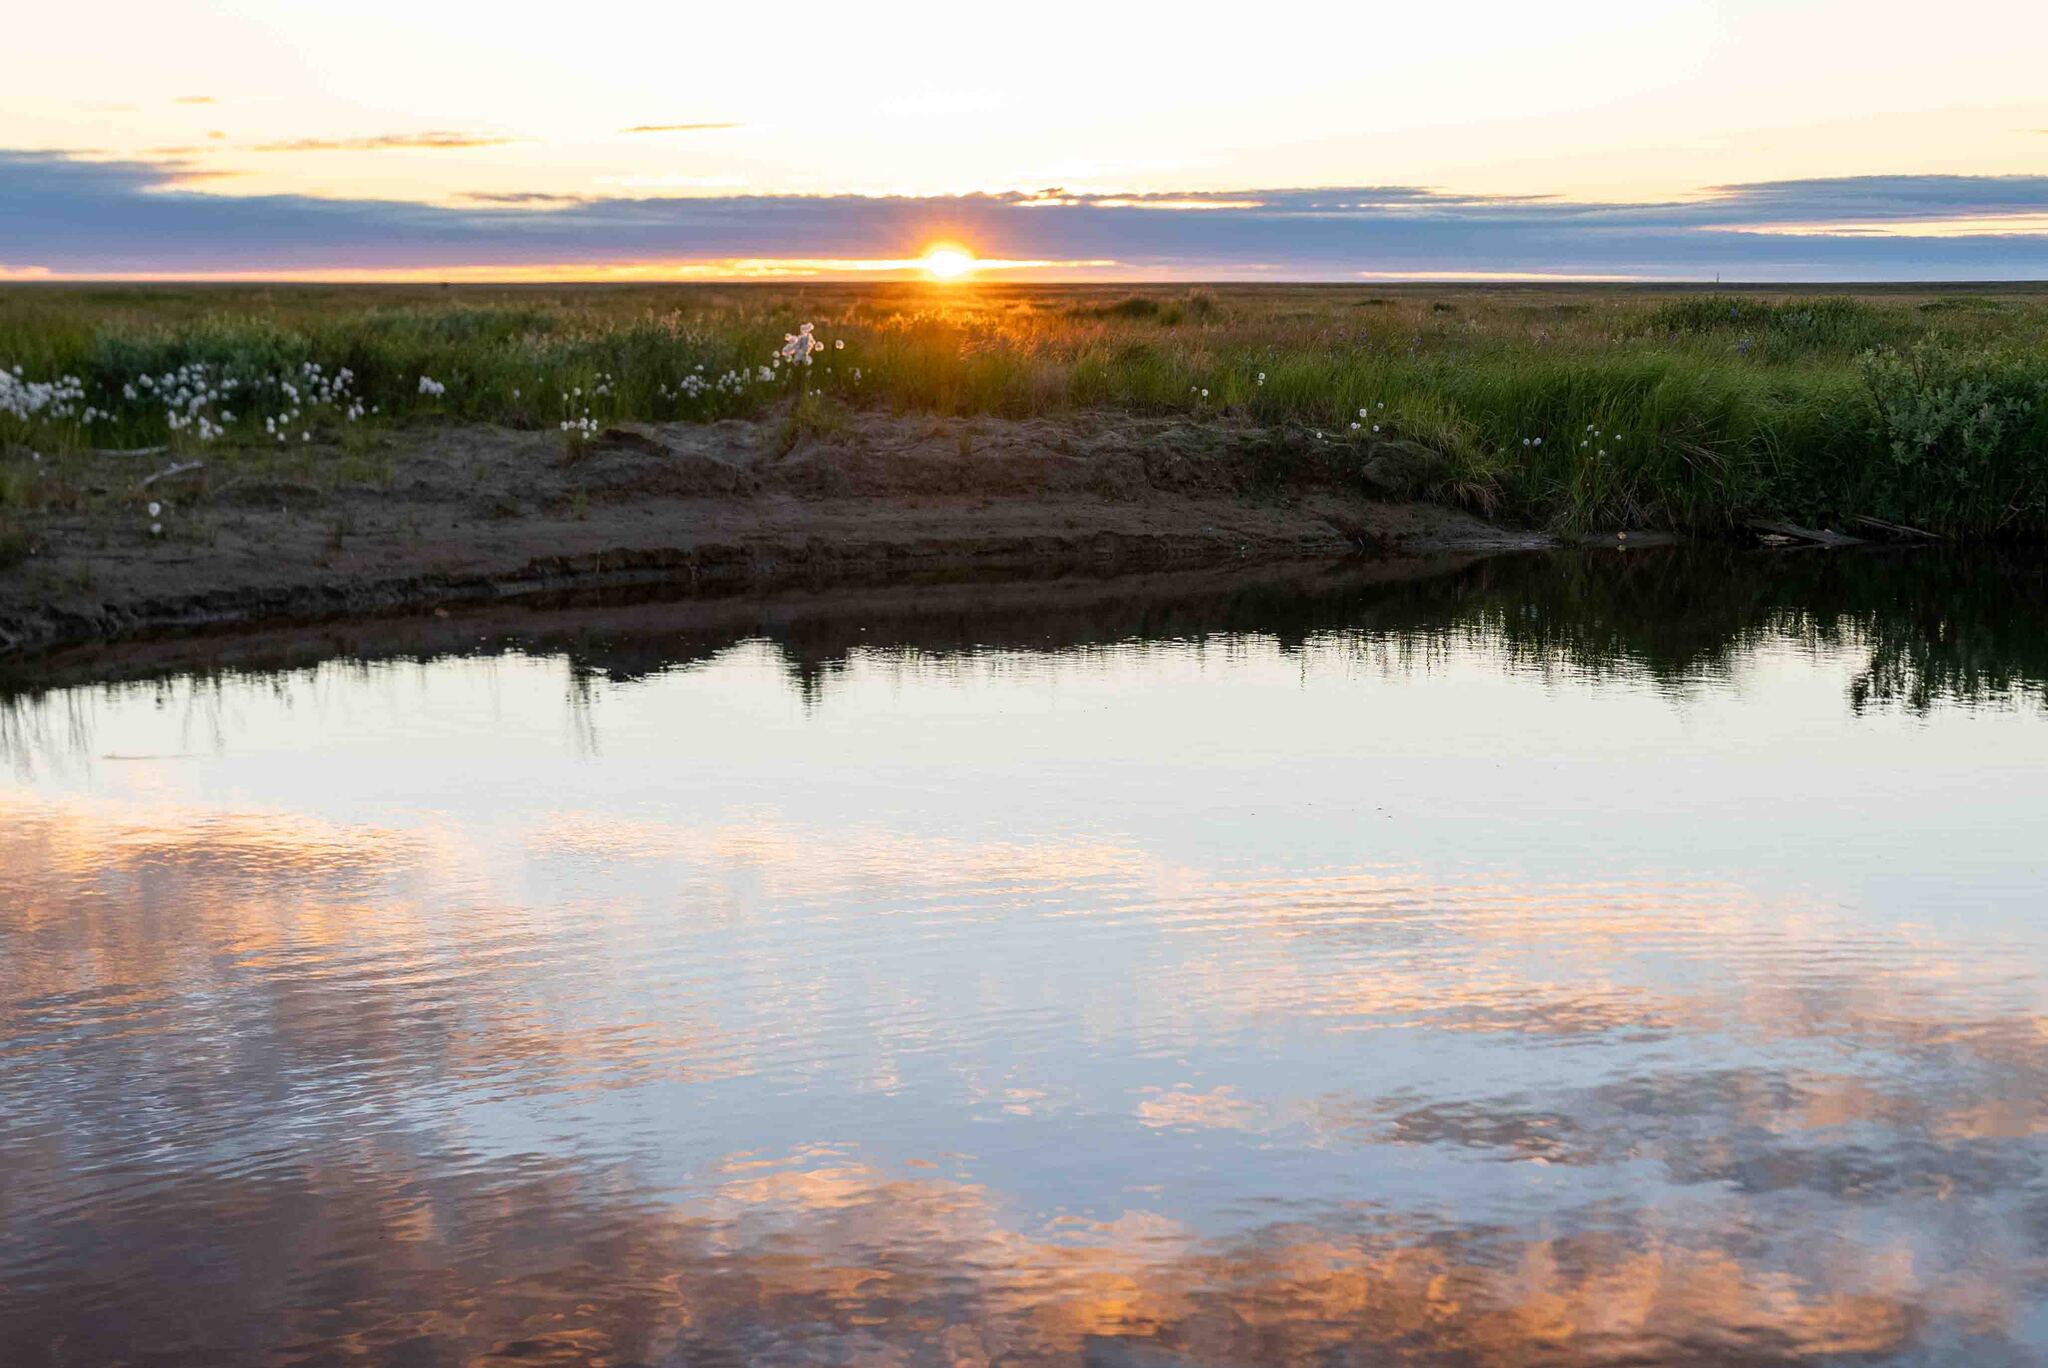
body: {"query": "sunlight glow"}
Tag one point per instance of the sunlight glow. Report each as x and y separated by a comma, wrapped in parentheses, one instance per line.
(945, 261)
(1970, 225)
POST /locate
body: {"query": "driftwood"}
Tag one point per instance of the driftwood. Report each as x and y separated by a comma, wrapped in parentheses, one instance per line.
(131, 451)
(1812, 535)
(183, 467)
(1895, 529)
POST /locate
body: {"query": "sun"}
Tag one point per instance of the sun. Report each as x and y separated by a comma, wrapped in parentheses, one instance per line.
(946, 261)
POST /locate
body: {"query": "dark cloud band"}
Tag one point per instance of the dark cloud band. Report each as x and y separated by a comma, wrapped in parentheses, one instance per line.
(73, 216)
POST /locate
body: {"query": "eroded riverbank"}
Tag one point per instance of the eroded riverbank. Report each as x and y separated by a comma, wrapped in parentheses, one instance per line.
(424, 518)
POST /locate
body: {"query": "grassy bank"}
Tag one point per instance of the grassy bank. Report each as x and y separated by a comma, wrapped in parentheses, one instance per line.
(1564, 407)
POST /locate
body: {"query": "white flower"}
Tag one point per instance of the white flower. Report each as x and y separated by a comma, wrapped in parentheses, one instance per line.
(799, 345)
(156, 529)
(838, 344)
(155, 508)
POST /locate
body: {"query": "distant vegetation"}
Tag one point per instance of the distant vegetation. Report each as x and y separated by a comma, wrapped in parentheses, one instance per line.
(1565, 407)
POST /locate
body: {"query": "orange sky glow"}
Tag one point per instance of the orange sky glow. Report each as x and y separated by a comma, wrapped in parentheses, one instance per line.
(386, 107)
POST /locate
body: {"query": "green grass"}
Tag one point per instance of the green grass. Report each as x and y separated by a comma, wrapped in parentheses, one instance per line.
(1571, 407)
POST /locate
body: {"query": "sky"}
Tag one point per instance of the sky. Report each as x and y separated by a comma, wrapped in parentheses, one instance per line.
(1685, 139)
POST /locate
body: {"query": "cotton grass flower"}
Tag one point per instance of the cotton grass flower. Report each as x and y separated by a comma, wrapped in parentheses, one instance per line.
(798, 346)
(23, 399)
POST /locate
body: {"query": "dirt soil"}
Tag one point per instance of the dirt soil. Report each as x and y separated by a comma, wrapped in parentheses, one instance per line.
(438, 516)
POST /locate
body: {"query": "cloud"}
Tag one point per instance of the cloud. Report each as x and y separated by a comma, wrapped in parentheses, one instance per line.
(677, 128)
(1893, 199)
(195, 100)
(383, 142)
(519, 197)
(77, 216)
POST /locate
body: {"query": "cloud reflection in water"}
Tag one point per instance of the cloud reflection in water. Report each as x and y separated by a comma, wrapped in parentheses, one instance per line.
(973, 1013)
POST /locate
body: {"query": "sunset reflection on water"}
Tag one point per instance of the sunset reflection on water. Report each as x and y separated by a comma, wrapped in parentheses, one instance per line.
(1216, 999)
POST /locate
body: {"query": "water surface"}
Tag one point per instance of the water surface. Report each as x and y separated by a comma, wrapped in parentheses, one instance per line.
(1566, 960)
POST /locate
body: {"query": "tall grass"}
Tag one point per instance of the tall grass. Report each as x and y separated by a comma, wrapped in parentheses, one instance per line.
(1566, 407)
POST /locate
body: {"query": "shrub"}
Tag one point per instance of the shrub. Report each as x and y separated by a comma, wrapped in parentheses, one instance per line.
(1961, 433)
